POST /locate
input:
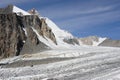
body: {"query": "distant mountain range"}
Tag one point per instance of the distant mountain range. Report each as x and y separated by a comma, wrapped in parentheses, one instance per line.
(25, 32)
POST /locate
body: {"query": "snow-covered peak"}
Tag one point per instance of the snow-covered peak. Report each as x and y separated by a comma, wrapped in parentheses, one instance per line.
(60, 34)
(20, 11)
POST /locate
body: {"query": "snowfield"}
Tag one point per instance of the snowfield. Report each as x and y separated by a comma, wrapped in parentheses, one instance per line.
(85, 63)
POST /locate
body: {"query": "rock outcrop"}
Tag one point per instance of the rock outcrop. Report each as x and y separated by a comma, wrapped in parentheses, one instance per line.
(34, 12)
(73, 41)
(91, 40)
(17, 35)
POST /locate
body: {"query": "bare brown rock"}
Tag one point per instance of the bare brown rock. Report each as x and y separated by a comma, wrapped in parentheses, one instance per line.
(11, 35)
(14, 40)
(72, 41)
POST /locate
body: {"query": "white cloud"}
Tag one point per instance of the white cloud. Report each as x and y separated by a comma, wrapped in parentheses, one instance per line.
(90, 21)
(96, 10)
(55, 12)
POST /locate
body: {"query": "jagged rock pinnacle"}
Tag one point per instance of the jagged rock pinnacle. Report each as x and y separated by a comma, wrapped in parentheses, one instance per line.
(33, 11)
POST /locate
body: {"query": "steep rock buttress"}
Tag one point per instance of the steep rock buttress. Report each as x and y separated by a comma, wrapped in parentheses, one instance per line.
(18, 37)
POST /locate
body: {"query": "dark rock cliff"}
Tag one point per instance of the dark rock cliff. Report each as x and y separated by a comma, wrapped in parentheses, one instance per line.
(17, 36)
(11, 35)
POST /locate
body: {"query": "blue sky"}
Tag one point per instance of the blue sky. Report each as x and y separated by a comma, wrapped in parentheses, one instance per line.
(80, 17)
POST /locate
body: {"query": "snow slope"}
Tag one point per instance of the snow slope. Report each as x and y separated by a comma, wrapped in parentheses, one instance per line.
(60, 35)
(57, 31)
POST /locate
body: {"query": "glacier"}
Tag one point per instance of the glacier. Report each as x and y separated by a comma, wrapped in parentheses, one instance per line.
(85, 63)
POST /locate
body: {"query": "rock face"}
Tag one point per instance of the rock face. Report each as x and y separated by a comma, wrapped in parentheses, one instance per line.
(17, 35)
(46, 31)
(110, 43)
(72, 41)
(32, 43)
(11, 35)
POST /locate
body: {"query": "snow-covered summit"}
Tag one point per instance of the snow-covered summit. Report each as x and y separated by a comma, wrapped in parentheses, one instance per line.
(20, 11)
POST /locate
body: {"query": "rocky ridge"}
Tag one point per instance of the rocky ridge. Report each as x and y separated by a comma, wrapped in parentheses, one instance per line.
(110, 43)
(17, 35)
(91, 40)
